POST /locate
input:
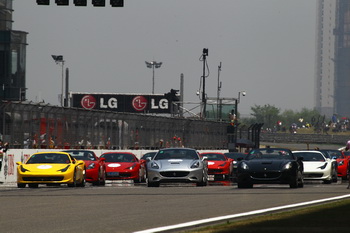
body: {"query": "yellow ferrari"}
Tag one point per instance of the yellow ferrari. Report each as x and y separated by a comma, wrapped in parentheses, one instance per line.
(51, 168)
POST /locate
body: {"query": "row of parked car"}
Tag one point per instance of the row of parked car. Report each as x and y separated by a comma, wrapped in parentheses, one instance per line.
(264, 165)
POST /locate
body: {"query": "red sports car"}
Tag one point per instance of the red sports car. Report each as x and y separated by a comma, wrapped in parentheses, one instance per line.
(124, 166)
(219, 165)
(95, 166)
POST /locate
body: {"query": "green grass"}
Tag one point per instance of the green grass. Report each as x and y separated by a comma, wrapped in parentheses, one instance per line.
(332, 217)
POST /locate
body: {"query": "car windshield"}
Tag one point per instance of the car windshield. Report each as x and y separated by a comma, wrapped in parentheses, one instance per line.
(235, 156)
(215, 157)
(118, 158)
(48, 158)
(332, 153)
(82, 155)
(346, 153)
(270, 154)
(148, 155)
(310, 156)
(176, 154)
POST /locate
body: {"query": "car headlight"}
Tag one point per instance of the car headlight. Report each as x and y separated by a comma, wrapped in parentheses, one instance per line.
(132, 167)
(91, 166)
(64, 169)
(287, 166)
(154, 165)
(23, 169)
(323, 166)
(244, 166)
(196, 164)
(341, 163)
(222, 165)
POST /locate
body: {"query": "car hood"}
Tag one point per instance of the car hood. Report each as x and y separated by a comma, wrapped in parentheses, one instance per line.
(44, 167)
(268, 164)
(118, 166)
(175, 164)
(308, 165)
(215, 163)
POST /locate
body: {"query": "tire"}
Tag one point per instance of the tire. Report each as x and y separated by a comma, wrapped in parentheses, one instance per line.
(103, 180)
(21, 185)
(327, 181)
(33, 185)
(74, 184)
(204, 181)
(244, 185)
(153, 184)
(82, 183)
(334, 175)
(139, 179)
(297, 181)
(300, 181)
(144, 177)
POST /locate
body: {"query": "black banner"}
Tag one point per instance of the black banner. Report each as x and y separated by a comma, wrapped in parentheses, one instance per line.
(122, 103)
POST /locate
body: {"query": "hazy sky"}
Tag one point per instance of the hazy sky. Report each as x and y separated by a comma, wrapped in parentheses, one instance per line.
(267, 48)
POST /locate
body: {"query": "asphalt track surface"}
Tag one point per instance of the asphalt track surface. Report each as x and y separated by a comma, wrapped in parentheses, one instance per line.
(128, 207)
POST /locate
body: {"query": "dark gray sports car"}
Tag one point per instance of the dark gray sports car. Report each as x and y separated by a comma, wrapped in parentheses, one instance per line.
(270, 165)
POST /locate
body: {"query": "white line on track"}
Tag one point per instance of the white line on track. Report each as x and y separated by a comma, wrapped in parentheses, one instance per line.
(221, 218)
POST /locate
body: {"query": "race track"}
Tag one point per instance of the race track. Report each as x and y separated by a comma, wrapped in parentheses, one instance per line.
(125, 207)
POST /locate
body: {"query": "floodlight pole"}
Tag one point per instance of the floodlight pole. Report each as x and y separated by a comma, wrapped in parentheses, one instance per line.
(62, 87)
(218, 105)
(59, 60)
(153, 65)
(204, 101)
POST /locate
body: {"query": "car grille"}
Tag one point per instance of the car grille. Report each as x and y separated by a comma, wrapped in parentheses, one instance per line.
(175, 174)
(43, 178)
(214, 171)
(120, 175)
(266, 175)
(313, 175)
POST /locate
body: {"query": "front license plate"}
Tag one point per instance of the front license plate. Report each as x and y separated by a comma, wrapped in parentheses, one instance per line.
(113, 173)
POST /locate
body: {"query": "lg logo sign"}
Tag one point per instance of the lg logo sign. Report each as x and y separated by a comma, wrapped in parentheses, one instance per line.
(138, 103)
(88, 102)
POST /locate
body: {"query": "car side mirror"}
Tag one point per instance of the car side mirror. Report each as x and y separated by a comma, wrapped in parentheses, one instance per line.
(300, 158)
(103, 159)
(148, 159)
(334, 157)
(205, 158)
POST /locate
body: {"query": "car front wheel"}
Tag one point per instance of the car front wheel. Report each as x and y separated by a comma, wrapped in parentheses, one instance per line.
(203, 182)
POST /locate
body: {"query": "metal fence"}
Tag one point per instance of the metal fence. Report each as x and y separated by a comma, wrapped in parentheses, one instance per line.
(39, 125)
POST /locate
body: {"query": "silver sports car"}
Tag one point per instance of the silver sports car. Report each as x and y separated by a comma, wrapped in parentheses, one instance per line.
(177, 165)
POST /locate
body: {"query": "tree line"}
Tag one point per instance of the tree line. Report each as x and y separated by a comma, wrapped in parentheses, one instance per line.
(288, 120)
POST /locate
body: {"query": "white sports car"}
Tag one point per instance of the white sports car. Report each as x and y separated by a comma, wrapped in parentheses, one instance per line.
(316, 165)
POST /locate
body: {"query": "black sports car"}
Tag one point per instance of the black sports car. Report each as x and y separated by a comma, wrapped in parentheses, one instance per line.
(270, 165)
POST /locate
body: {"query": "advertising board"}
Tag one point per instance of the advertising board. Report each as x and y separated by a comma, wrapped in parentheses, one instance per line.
(134, 103)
